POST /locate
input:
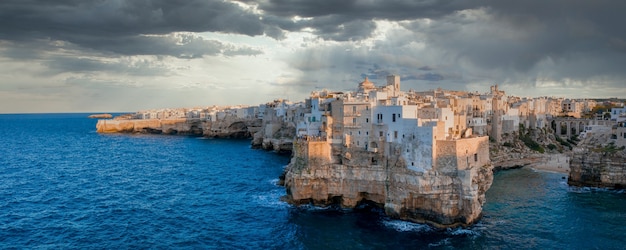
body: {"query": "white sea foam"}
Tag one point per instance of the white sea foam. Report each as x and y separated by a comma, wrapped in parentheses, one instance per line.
(463, 231)
(271, 199)
(405, 226)
(443, 242)
(583, 190)
(274, 181)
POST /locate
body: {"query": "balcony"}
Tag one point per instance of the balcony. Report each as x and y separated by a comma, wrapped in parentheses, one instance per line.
(352, 125)
(351, 114)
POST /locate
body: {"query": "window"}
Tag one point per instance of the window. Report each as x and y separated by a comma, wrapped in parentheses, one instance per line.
(367, 120)
(393, 118)
(380, 133)
(354, 109)
(475, 157)
(395, 134)
(354, 121)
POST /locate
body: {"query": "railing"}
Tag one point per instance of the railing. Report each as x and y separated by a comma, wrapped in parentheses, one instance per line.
(311, 138)
(351, 114)
(352, 125)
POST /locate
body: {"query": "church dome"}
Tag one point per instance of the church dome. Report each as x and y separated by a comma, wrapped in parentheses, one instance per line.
(366, 84)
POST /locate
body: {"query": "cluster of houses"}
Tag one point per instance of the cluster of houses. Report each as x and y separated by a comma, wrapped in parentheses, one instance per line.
(462, 113)
(213, 113)
(375, 113)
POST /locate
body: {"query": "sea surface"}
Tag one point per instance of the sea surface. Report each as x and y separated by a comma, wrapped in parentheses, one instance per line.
(62, 185)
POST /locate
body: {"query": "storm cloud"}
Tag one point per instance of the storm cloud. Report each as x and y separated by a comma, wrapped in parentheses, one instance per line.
(298, 45)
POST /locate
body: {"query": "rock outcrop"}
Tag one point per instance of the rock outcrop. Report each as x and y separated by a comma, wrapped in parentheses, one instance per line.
(442, 196)
(179, 126)
(514, 153)
(100, 116)
(599, 160)
(232, 127)
(597, 169)
(275, 136)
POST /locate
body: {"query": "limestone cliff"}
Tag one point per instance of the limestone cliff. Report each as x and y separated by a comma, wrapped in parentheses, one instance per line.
(228, 127)
(444, 196)
(599, 160)
(232, 127)
(515, 152)
(276, 136)
(151, 126)
(598, 169)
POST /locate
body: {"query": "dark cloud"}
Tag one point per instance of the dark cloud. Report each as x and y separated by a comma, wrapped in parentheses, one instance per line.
(443, 43)
(365, 10)
(497, 41)
(351, 20)
(181, 45)
(62, 64)
(124, 26)
(71, 19)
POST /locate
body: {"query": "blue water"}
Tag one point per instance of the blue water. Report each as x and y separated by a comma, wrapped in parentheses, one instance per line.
(62, 185)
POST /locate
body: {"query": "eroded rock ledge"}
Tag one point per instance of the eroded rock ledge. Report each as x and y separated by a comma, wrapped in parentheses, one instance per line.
(598, 169)
(275, 136)
(226, 128)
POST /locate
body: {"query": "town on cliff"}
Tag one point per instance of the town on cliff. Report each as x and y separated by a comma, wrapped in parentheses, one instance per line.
(423, 156)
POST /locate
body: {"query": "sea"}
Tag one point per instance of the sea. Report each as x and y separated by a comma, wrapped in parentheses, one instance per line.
(64, 186)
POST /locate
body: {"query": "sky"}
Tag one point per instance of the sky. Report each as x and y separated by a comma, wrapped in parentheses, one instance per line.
(124, 56)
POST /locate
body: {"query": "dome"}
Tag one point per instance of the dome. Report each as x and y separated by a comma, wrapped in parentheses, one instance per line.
(366, 84)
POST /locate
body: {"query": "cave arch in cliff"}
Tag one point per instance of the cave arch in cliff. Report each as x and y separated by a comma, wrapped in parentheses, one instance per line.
(238, 126)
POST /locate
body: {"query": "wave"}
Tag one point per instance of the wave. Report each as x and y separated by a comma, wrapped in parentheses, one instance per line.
(463, 231)
(274, 181)
(271, 199)
(406, 226)
(440, 243)
(584, 190)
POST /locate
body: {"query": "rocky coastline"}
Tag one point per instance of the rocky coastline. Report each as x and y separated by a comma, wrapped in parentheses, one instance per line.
(599, 162)
(276, 137)
(445, 196)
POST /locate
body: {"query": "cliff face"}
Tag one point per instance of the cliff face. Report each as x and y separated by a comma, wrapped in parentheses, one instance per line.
(275, 136)
(599, 160)
(442, 197)
(597, 169)
(153, 126)
(229, 127)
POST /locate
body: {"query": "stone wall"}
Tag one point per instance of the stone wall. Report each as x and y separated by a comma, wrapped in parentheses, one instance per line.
(462, 154)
